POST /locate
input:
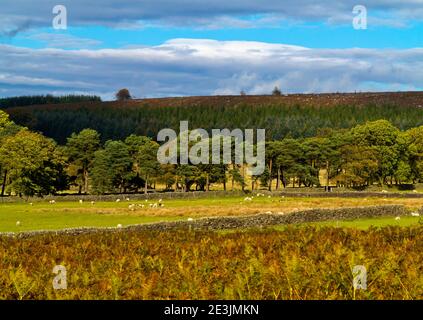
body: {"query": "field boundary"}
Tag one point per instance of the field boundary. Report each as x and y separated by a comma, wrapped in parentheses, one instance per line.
(224, 223)
(212, 194)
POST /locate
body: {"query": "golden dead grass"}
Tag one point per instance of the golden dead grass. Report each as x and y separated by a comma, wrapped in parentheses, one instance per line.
(237, 207)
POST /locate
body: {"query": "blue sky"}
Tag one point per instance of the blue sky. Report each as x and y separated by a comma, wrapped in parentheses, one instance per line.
(312, 35)
(188, 47)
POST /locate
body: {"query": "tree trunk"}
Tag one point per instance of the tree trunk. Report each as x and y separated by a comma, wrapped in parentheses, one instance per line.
(146, 185)
(3, 186)
(279, 178)
(207, 183)
(85, 180)
(270, 174)
(327, 175)
(243, 177)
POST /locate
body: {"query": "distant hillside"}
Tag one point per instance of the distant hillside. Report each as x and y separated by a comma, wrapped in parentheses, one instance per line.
(296, 115)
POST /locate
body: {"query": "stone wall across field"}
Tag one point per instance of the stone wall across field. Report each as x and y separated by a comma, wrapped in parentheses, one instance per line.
(213, 194)
(254, 221)
(132, 197)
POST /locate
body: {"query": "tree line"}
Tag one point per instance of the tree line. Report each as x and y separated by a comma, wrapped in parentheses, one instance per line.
(375, 152)
(11, 102)
(116, 121)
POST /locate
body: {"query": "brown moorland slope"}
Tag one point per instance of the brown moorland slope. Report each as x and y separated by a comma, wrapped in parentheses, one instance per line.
(409, 99)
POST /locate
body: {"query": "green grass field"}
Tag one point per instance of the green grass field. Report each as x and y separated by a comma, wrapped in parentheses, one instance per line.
(61, 215)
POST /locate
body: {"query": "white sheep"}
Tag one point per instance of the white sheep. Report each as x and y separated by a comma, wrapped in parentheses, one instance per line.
(18, 223)
(398, 218)
(81, 201)
(415, 214)
(117, 200)
(119, 225)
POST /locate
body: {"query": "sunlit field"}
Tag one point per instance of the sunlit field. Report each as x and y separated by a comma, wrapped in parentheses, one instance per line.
(16, 217)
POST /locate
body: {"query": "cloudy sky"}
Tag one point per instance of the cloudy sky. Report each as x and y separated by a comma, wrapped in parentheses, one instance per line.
(161, 48)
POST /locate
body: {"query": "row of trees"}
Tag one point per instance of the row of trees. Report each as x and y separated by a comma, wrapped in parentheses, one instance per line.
(374, 152)
(44, 99)
(115, 122)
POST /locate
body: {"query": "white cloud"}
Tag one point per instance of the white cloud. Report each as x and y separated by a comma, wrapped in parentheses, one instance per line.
(202, 67)
(17, 15)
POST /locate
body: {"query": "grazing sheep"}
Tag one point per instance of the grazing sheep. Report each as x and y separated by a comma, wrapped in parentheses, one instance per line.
(127, 199)
(119, 225)
(92, 202)
(415, 214)
(190, 219)
(248, 199)
(52, 202)
(398, 218)
(160, 200)
(80, 201)
(31, 204)
(18, 223)
(117, 200)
